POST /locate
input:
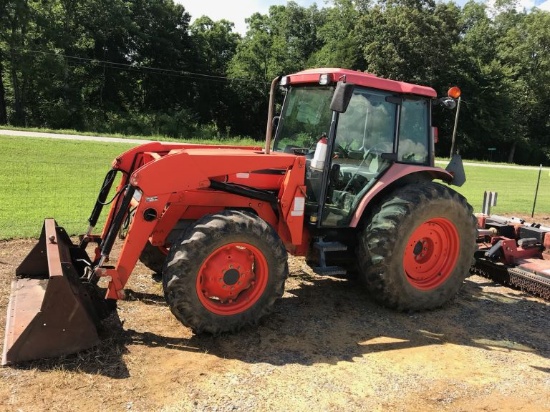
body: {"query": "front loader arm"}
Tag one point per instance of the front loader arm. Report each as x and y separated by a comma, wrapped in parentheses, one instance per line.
(145, 219)
(171, 178)
(130, 161)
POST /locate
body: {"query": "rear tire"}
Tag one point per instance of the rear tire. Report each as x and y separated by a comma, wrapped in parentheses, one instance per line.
(225, 272)
(418, 247)
(153, 257)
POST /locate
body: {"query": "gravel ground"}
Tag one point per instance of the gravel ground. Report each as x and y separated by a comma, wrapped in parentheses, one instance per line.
(327, 347)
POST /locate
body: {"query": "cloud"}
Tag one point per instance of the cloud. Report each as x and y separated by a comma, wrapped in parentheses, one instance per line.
(235, 12)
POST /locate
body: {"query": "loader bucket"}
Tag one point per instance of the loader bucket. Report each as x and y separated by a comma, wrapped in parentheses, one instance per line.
(50, 312)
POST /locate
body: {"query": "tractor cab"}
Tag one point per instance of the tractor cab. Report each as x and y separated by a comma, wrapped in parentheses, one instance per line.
(381, 122)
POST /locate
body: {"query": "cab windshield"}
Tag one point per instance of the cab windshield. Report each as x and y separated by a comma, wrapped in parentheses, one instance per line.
(305, 117)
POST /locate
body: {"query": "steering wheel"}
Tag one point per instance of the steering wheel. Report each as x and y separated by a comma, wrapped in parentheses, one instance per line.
(300, 151)
(341, 151)
(372, 153)
(351, 181)
(303, 150)
(376, 150)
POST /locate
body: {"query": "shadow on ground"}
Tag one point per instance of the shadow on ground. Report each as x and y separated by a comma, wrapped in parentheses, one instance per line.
(324, 320)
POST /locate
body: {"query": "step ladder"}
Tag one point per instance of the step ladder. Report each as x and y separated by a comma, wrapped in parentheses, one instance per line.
(324, 247)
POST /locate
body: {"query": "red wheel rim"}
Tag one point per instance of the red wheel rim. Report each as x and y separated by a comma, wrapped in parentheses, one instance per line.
(431, 253)
(232, 279)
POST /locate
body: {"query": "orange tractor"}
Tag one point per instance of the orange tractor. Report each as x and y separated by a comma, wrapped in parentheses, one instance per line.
(346, 179)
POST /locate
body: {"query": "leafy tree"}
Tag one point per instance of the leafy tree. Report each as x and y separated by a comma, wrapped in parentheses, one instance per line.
(250, 70)
(215, 44)
(523, 50)
(409, 40)
(413, 41)
(15, 19)
(161, 40)
(338, 35)
(278, 43)
(3, 106)
(139, 66)
(485, 120)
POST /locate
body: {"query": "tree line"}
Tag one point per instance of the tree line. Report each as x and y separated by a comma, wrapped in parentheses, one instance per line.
(141, 66)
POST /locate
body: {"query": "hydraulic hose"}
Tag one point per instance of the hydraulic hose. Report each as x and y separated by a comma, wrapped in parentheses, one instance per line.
(108, 242)
(102, 197)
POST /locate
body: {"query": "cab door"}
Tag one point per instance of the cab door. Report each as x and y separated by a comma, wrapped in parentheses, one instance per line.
(364, 148)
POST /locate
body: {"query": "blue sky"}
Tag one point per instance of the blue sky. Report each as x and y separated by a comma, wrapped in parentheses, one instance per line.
(237, 11)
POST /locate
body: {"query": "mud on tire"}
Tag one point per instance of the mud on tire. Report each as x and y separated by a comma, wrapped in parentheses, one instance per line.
(417, 248)
(225, 272)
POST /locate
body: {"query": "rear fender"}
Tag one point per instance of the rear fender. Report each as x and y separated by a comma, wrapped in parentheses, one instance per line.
(394, 174)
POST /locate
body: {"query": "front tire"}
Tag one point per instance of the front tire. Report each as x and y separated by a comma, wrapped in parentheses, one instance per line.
(225, 272)
(418, 247)
(153, 257)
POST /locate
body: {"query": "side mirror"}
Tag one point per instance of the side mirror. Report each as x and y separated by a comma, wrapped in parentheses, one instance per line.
(342, 96)
(447, 102)
(275, 122)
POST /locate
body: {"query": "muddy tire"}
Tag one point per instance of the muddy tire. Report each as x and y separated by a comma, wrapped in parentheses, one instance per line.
(225, 272)
(417, 249)
(153, 257)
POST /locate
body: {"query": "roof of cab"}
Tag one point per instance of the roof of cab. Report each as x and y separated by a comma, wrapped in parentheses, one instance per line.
(360, 79)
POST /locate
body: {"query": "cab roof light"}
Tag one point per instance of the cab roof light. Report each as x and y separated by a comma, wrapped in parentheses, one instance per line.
(284, 81)
(324, 79)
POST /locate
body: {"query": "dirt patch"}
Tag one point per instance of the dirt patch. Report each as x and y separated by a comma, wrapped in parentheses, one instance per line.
(328, 346)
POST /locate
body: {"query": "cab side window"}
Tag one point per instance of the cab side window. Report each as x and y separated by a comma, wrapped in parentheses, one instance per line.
(413, 131)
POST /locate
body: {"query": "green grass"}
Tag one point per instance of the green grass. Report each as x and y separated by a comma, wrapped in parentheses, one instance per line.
(515, 187)
(42, 178)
